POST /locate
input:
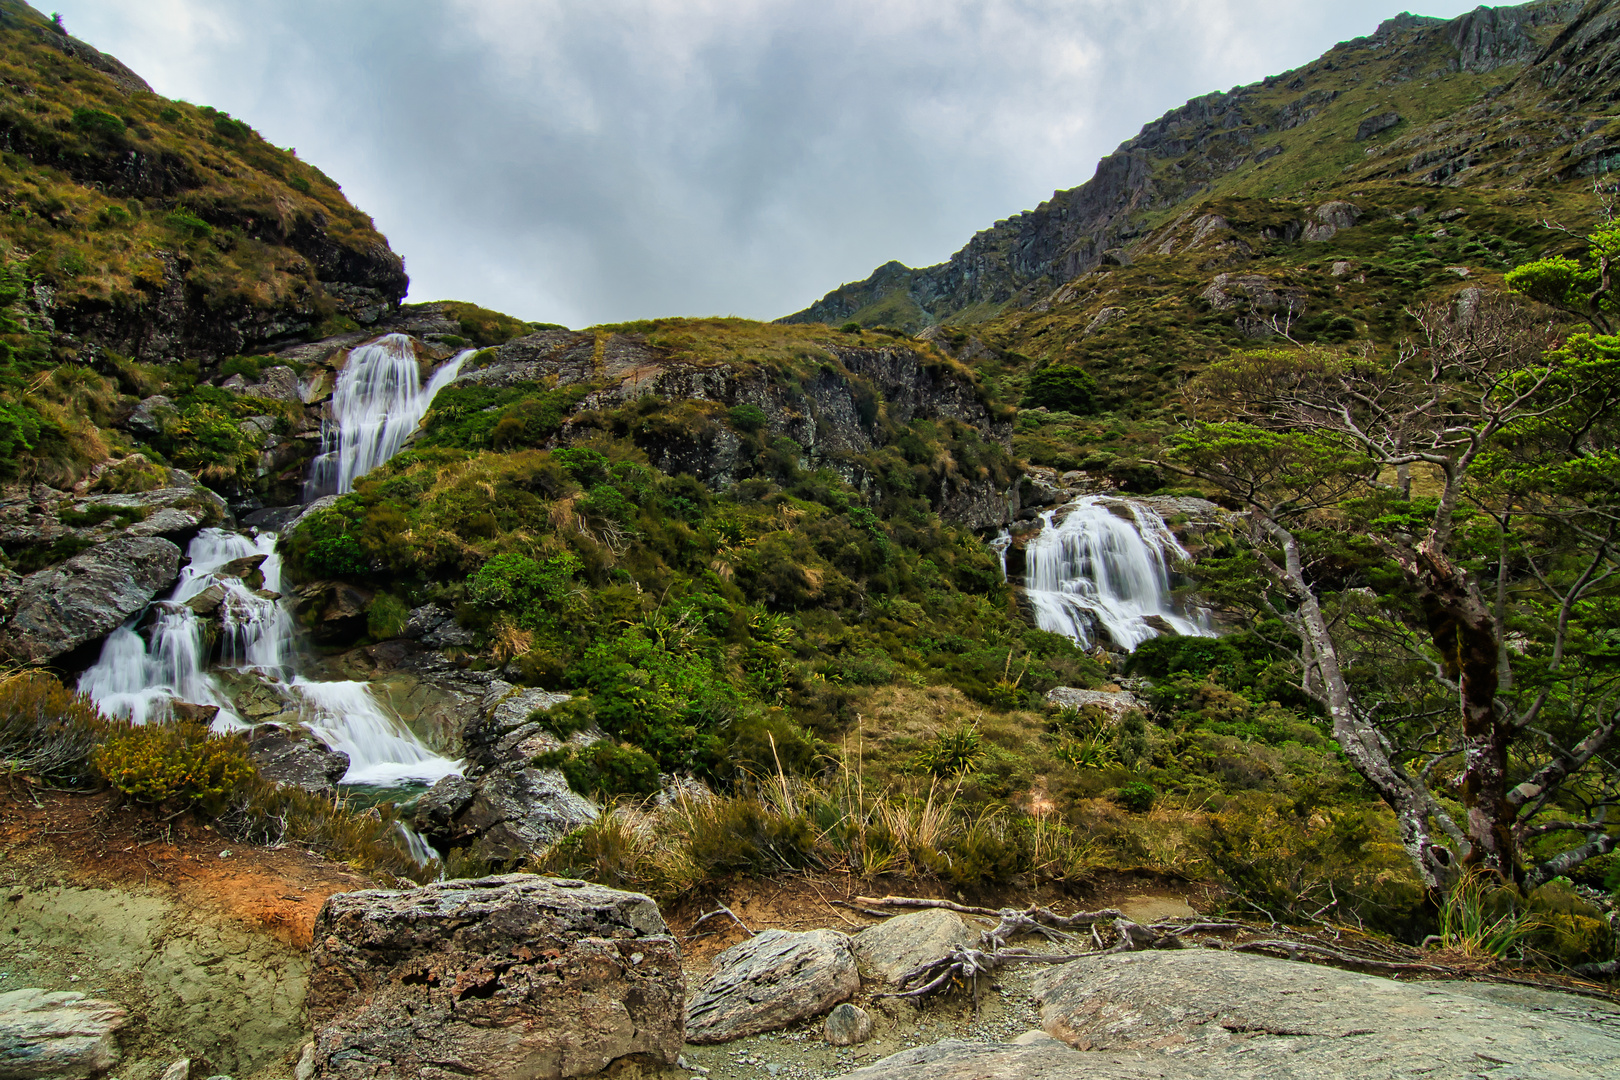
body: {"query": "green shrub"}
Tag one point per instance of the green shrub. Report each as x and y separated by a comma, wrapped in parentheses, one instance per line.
(245, 366)
(187, 224)
(747, 418)
(952, 753)
(605, 769)
(1062, 388)
(133, 475)
(1136, 796)
(565, 718)
(96, 122)
(174, 764)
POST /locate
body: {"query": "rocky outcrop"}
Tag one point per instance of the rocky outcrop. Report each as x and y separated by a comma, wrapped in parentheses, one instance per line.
(899, 945)
(1115, 703)
(492, 978)
(770, 981)
(505, 807)
(847, 1025)
(45, 1034)
(56, 610)
(839, 410)
(334, 612)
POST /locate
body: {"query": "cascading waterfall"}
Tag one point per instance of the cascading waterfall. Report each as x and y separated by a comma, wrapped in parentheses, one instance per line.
(378, 401)
(1096, 568)
(140, 680)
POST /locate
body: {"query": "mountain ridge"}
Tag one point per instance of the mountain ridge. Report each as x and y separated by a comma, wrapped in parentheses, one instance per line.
(1194, 150)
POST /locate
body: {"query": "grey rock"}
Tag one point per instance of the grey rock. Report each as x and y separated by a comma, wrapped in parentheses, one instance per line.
(1329, 218)
(770, 981)
(60, 608)
(492, 978)
(1102, 319)
(438, 807)
(955, 1059)
(1227, 291)
(180, 1070)
(174, 512)
(1373, 125)
(1341, 268)
(1240, 1015)
(146, 421)
(206, 603)
(847, 1025)
(305, 1069)
(288, 755)
(1114, 702)
(334, 611)
(279, 383)
(436, 627)
(890, 949)
(47, 1033)
(519, 811)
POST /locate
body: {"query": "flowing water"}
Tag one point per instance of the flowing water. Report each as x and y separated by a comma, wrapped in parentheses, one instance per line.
(1096, 569)
(377, 404)
(378, 401)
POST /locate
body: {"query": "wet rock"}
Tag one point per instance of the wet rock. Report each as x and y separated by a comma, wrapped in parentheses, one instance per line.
(206, 603)
(174, 513)
(290, 756)
(1250, 1016)
(279, 383)
(890, 949)
(334, 611)
(47, 1033)
(438, 807)
(247, 569)
(1114, 702)
(847, 1025)
(65, 606)
(492, 978)
(770, 981)
(192, 713)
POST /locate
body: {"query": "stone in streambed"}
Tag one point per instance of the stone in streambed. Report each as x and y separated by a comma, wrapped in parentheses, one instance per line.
(906, 942)
(290, 756)
(770, 981)
(55, 1034)
(514, 976)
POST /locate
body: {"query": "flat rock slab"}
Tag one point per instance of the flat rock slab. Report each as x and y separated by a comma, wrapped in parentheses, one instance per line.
(890, 949)
(770, 981)
(501, 977)
(1265, 1017)
(53, 1034)
(955, 1059)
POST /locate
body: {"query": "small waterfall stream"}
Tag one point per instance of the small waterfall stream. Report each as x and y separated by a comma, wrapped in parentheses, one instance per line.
(1096, 568)
(377, 404)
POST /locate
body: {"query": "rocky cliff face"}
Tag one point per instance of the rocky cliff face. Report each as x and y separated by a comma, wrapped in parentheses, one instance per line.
(1192, 151)
(847, 404)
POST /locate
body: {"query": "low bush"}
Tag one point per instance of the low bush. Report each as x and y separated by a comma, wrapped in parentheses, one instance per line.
(46, 730)
(174, 765)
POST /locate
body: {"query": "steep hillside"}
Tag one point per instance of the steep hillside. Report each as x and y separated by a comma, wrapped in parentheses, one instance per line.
(1509, 97)
(158, 229)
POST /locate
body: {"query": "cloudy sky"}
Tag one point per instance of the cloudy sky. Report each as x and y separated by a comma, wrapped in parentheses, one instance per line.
(585, 161)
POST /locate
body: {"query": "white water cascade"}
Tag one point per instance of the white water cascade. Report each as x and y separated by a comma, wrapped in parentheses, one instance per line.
(1095, 568)
(378, 401)
(139, 681)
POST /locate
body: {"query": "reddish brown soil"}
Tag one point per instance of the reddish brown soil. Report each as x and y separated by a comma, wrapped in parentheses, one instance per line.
(87, 839)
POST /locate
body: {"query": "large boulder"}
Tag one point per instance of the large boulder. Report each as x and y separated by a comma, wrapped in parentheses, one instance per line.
(890, 949)
(516, 976)
(289, 755)
(60, 608)
(1248, 1016)
(772, 980)
(55, 1034)
(1115, 703)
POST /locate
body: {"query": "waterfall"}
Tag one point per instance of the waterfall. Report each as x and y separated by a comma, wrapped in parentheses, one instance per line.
(1095, 568)
(378, 401)
(140, 679)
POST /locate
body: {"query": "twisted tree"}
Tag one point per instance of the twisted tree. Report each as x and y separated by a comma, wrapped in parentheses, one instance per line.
(1440, 532)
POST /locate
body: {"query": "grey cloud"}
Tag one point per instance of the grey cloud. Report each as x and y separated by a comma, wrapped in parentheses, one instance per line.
(594, 161)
